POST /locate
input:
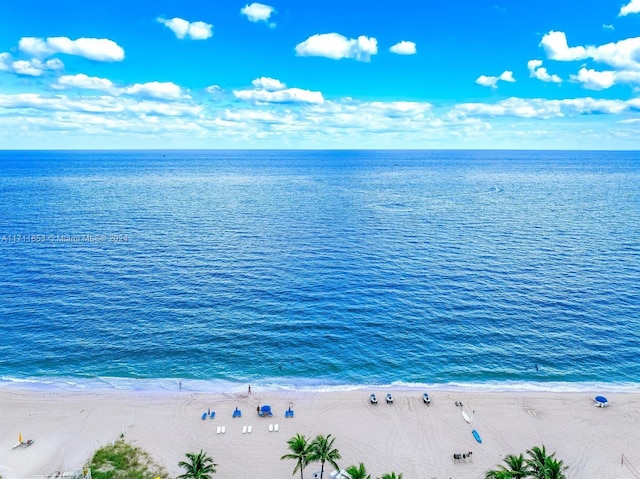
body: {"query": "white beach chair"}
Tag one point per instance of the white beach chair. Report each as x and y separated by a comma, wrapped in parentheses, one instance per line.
(275, 427)
(224, 430)
(244, 429)
(249, 429)
(270, 427)
(219, 430)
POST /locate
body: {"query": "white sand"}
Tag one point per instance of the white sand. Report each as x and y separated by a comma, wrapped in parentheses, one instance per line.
(406, 437)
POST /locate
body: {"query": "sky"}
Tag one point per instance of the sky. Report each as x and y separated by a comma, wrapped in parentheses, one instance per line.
(307, 74)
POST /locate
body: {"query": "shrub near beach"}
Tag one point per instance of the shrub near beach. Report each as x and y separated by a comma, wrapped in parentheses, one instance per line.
(122, 460)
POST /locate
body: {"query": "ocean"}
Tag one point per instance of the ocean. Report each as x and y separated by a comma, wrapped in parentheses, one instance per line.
(212, 270)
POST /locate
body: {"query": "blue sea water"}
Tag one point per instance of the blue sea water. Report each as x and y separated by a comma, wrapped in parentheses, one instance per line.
(319, 269)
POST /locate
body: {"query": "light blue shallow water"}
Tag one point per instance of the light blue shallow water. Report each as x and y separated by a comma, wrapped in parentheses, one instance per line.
(309, 269)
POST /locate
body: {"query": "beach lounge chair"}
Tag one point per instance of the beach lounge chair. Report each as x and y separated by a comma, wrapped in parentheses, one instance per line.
(249, 429)
(204, 415)
(219, 430)
(223, 429)
(275, 428)
(389, 398)
(212, 415)
(270, 427)
(373, 399)
(244, 429)
(426, 399)
(288, 413)
(237, 413)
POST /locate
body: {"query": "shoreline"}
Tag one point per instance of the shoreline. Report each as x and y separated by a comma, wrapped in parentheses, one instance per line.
(219, 386)
(406, 437)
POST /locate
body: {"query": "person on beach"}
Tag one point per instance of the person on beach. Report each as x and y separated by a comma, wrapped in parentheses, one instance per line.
(249, 388)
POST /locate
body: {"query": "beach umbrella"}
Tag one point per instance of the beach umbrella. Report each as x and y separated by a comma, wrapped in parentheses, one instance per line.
(601, 399)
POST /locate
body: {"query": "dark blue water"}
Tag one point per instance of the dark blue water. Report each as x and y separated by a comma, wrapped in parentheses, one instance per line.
(319, 268)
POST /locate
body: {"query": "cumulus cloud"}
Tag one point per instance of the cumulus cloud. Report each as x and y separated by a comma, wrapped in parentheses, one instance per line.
(183, 28)
(336, 47)
(632, 7)
(601, 80)
(158, 90)
(623, 55)
(492, 81)
(544, 109)
(270, 84)
(404, 48)
(98, 49)
(270, 90)
(213, 89)
(289, 95)
(595, 80)
(5, 61)
(33, 67)
(84, 82)
(536, 70)
(556, 46)
(95, 104)
(258, 12)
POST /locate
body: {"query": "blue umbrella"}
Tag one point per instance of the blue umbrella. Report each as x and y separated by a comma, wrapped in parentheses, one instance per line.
(601, 399)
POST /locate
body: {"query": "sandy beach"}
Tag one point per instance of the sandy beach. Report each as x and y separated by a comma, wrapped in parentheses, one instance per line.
(406, 437)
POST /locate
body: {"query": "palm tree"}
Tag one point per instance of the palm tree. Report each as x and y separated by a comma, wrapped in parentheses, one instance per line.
(501, 473)
(554, 469)
(358, 472)
(536, 462)
(322, 450)
(299, 446)
(391, 475)
(517, 466)
(201, 466)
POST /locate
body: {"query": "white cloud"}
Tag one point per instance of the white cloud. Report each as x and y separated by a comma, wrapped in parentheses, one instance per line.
(556, 46)
(336, 47)
(258, 12)
(27, 67)
(595, 80)
(404, 48)
(32, 67)
(600, 80)
(536, 70)
(213, 89)
(270, 84)
(632, 7)
(270, 90)
(183, 28)
(159, 90)
(507, 76)
(542, 108)
(623, 55)
(99, 49)
(5, 62)
(84, 82)
(289, 95)
(607, 26)
(96, 104)
(492, 81)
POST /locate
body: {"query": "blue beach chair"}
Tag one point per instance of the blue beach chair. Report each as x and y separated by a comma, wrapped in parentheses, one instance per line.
(204, 415)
